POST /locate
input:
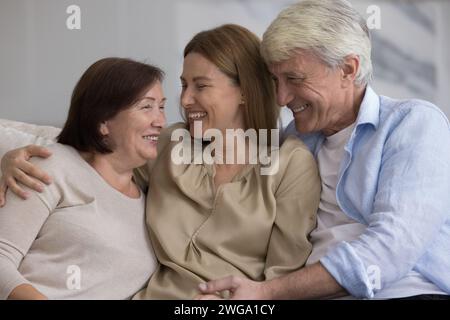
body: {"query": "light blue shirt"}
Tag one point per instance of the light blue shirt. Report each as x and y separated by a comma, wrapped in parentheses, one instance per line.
(395, 179)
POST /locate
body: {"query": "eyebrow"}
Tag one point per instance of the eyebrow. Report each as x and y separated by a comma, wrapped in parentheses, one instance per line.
(198, 78)
(153, 99)
(295, 74)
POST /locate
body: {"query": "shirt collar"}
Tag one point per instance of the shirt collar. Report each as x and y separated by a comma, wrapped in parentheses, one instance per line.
(369, 111)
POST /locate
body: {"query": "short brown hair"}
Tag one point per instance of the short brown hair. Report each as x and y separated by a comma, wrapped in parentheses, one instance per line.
(107, 87)
(236, 52)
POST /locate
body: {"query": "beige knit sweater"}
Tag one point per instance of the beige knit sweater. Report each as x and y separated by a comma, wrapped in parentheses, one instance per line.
(79, 239)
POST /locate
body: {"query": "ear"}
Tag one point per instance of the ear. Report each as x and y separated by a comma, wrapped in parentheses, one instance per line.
(349, 70)
(104, 131)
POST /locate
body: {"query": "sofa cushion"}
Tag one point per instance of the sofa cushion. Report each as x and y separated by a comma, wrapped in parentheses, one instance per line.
(14, 134)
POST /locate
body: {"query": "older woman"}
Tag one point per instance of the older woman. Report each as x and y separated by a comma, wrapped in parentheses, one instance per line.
(384, 216)
(84, 236)
(212, 219)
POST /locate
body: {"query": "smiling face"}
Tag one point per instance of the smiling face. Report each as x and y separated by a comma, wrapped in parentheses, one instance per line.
(317, 95)
(133, 133)
(209, 96)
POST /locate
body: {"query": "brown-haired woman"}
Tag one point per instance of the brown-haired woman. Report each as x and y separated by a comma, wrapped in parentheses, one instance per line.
(84, 236)
(208, 221)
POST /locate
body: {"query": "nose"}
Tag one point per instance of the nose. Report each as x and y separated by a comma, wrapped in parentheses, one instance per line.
(159, 121)
(187, 98)
(284, 94)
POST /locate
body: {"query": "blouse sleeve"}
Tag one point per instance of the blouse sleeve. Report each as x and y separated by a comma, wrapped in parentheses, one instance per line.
(142, 175)
(297, 201)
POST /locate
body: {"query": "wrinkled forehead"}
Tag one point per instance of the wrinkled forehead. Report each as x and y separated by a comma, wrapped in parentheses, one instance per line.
(154, 92)
(300, 61)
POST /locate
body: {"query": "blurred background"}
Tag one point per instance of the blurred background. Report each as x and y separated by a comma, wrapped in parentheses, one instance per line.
(41, 59)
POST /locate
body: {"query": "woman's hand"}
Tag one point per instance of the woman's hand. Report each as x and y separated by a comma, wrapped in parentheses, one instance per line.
(16, 167)
(239, 289)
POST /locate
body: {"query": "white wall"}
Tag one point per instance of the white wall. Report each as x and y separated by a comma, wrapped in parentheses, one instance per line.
(41, 60)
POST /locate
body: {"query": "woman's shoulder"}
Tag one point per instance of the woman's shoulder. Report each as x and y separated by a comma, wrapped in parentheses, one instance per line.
(293, 149)
(294, 155)
(64, 159)
(297, 168)
(68, 174)
(293, 144)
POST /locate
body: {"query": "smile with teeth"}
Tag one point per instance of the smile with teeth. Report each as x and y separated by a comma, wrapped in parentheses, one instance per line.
(300, 108)
(196, 115)
(151, 138)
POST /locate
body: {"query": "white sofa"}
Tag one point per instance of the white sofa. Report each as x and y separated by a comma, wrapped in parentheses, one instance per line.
(14, 134)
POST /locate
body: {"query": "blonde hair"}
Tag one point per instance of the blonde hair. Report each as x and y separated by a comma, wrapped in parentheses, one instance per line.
(236, 52)
(330, 29)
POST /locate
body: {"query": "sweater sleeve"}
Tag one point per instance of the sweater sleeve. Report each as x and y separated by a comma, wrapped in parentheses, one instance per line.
(297, 200)
(20, 224)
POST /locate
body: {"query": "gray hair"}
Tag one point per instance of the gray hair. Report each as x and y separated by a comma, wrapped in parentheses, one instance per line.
(330, 29)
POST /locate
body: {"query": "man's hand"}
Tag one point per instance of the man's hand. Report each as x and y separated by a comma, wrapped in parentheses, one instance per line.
(310, 282)
(15, 167)
(239, 288)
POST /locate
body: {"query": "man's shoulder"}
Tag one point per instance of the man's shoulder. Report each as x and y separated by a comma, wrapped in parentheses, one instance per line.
(308, 139)
(412, 110)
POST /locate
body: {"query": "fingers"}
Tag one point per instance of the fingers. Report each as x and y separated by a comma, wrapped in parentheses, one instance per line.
(16, 168)
(229, 283)
(35, 172)
(3, 188)
(37, 151)
(12, 184)
(28, 181)
(207, 297)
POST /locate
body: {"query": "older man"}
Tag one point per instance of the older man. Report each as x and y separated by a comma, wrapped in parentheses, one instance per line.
(383, 226)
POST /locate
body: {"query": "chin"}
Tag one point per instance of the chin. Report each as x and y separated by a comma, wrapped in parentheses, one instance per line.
(298, 126)
(302, 129)
(152, 155)
(191, 131)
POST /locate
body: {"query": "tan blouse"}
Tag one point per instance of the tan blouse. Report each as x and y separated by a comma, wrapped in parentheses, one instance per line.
(257, 226)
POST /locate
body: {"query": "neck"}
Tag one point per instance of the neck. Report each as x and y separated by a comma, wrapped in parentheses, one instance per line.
(237, 146)
(117, 174)
(352, 101)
